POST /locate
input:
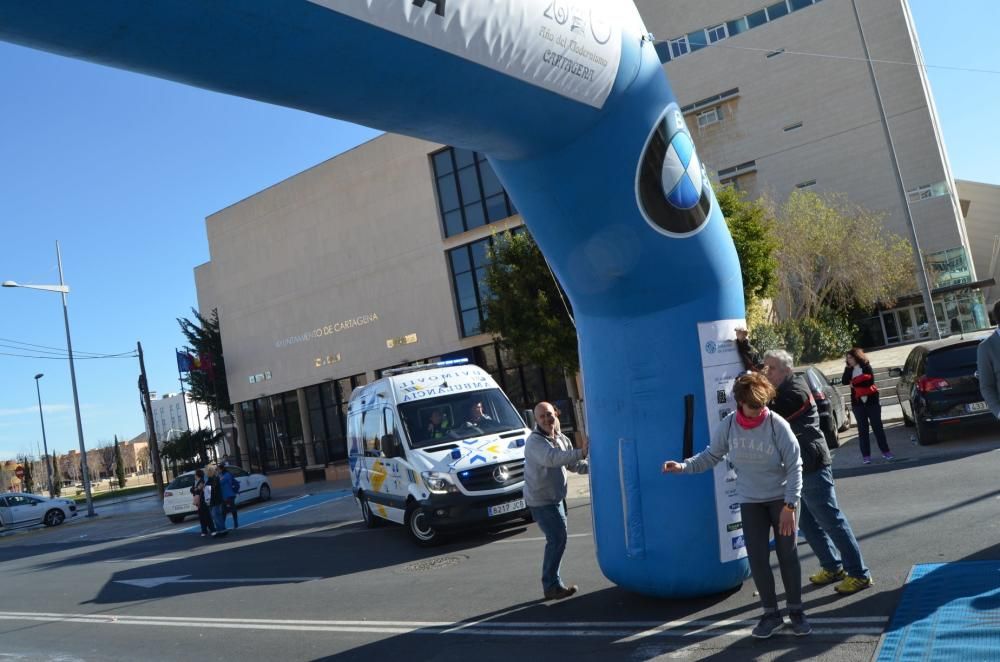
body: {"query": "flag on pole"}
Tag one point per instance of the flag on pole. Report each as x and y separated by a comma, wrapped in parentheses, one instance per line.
(185, 362)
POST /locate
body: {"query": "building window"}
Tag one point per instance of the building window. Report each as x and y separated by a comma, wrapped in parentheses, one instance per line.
(734, 28)
(775, 53)
(713, 100)
(793, 127)
(756, 19)
(663, 50)
(949, 267)
(927, 191)
(468, 269)
(717, 33)
(806, 185)
(799, 4)
(697, 40)
(679, 47)
(710, 117)
(777, 10)
(741, 169)
(469, 192)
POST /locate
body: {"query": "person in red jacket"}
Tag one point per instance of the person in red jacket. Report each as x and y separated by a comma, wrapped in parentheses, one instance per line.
(865, 403)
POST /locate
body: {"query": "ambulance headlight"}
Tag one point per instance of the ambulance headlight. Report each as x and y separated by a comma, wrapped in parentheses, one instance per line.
(438, 483)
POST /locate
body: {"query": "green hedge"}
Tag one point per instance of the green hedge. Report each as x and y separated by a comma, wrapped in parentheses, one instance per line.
(113, 494)
(808, 340)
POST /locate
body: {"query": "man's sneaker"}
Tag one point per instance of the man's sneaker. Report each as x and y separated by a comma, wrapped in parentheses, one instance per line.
(560, 592)
(824, 577)
(865, 459)
(853, 585)
(770, 623)
(800, 626)
(888, 457)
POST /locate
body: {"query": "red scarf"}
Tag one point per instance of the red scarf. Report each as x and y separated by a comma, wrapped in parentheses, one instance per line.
(748, 423)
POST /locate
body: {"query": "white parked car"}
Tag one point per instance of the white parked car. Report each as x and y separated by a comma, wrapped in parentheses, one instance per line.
(177, 501)
(19, 509)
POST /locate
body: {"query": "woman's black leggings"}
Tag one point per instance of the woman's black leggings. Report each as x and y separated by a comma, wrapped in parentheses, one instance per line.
(759, 519)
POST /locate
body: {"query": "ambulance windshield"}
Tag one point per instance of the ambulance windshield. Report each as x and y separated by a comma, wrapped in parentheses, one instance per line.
(458, 416)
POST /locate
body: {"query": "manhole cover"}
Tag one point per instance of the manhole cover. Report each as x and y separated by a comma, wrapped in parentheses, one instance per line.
(434, 564)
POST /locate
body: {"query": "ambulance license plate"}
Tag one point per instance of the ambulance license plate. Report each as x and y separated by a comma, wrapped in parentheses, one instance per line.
(504, 508)
(976, 406)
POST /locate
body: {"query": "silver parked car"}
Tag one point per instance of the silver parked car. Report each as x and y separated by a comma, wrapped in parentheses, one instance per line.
(19, 510)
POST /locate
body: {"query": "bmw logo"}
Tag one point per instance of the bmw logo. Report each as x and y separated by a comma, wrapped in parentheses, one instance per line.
(711, 347)
(671, 185)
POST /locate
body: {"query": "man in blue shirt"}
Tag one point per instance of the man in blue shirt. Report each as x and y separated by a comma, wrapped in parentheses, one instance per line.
(229, 494)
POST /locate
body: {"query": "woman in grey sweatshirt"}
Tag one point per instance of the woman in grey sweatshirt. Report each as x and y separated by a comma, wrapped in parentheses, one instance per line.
(765, 455)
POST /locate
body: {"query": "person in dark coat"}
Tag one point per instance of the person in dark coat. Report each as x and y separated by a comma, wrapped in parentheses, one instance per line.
(215, 501)
(198, 494)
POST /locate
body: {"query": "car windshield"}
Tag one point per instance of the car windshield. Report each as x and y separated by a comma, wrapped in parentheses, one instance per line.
(952, 362)
(187, 480)
(458, 416)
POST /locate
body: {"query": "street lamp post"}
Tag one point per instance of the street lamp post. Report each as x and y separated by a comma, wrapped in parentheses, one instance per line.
(64, 290)
(45, 443)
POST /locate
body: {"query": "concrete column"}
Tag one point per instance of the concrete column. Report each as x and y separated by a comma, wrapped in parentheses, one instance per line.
(307, 435)
(241, 436)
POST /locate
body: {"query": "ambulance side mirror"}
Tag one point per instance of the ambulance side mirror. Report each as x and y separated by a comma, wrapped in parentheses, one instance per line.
(529, 418)
(391, 446)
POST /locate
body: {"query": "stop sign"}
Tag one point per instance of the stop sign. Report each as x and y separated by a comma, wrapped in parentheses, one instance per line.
(19, 472)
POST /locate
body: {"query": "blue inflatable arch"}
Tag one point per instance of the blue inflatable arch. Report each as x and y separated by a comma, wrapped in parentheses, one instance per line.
(571, 104)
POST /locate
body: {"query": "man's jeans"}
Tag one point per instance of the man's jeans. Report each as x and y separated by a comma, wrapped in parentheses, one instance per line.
(825, 527)
(552, 521)
(219, 517)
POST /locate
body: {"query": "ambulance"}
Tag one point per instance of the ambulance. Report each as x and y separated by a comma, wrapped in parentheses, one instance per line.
(437, 448)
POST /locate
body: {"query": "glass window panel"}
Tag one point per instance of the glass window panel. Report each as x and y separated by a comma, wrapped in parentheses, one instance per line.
(442, 162)
(777, 10)
(474, 215)
(464, 157)
(317, 424)
(679, 47)
(756, 19)
(510, 203)
(737, 26)
(447, 193)
(800, 4)
(697, 40)
(480, 253)
(469, 182)
(484, 290)
(312, 397)
(465, 291)
(460, 260)
(491, 183)
(496, 207)
(480, 158)
(717, 33)
(470, 322)
(359, 380)
(663, 50)
(453, 223)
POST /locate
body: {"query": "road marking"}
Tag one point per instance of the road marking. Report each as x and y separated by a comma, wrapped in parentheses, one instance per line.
(153, 582)
(862, 625)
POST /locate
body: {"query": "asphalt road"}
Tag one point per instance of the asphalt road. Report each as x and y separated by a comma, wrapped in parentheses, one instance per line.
(302, 579)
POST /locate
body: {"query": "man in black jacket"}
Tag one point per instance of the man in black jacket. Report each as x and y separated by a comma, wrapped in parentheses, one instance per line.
(821, 521)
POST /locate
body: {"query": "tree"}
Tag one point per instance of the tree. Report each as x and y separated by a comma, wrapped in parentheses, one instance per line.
(525, 307)
(835, 255)
(142, 460)
(752, 227)
(26, 463)
(190, 448)
(207, 383)
(106, 456)
(119, 465)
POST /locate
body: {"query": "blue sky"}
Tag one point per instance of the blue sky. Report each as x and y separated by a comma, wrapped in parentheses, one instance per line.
(123, 169)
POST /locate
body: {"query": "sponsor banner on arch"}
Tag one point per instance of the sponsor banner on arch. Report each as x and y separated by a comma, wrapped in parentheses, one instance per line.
(570, 47)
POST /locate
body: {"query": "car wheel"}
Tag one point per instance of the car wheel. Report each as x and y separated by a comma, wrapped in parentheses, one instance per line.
(54, 517)
(265, 493)
(176, 519)
(925, 435)
(420, 529)
(370, 518)
(846, 423)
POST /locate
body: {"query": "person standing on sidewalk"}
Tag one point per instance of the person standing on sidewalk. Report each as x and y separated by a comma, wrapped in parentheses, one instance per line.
(865, 403)
(988, 366)
(229, 494)
(214, 489)
(765, 455)
(824, 525)
(198, 494)
(548, 453)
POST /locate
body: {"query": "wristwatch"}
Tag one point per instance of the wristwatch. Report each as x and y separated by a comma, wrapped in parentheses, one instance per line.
(790, 507)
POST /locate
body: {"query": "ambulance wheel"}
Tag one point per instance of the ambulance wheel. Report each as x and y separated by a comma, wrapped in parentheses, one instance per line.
(370, 518)
(420, 529)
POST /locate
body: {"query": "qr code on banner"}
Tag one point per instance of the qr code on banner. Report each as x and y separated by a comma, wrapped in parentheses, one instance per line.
(721, 397)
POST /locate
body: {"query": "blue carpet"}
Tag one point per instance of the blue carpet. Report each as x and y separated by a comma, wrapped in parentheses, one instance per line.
(949, 611)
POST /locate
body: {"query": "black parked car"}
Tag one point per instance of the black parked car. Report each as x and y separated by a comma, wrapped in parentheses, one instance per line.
(939, 388)
(833, 414)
